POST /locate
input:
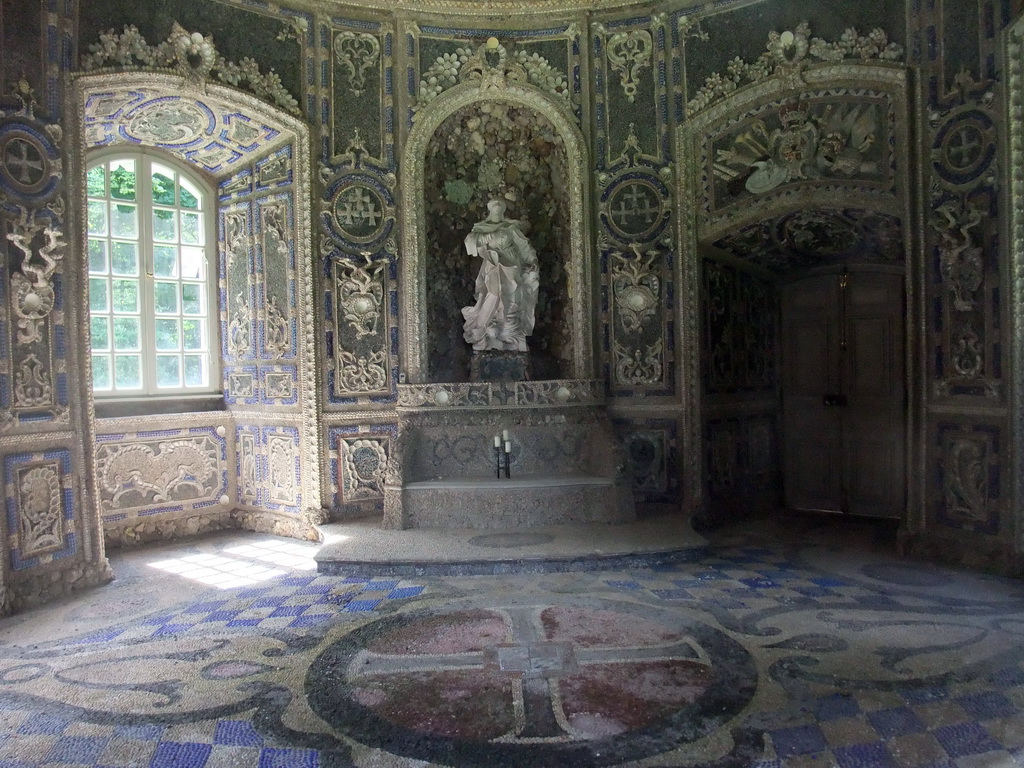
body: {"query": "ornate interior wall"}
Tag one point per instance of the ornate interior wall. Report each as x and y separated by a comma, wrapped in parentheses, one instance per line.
(666, 98)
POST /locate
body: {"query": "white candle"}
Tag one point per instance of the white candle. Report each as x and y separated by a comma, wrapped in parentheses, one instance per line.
(504, 435)
(497, 442)
(508, 447)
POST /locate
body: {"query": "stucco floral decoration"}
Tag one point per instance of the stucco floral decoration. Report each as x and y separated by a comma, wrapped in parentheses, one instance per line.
(190, 54)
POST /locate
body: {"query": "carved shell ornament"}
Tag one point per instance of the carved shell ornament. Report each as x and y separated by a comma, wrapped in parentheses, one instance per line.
(490, 65)
(787, 54)
(637, 288)
(193, 56)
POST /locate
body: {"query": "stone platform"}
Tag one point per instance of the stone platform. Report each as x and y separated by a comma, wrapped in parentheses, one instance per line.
(519, 502)
(363, 547)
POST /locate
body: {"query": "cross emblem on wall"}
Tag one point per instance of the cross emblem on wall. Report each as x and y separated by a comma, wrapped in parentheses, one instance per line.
(964, 146)
(634, 209)
(23, 162)
(357, 207)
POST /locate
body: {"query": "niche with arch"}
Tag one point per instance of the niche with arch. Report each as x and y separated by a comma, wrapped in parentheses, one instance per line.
(483, 151)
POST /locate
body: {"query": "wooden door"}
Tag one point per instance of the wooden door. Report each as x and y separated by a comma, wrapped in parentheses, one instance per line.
(843, 393)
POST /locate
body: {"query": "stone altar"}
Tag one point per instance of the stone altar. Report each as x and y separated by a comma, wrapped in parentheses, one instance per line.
(566, 465)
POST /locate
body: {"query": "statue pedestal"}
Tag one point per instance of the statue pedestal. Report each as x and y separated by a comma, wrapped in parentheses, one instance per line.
(499, 366)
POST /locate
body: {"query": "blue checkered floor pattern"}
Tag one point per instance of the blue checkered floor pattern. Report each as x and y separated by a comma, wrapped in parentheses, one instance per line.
(861, 659)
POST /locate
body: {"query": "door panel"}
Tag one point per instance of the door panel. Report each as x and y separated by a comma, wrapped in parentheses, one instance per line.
(846, 344)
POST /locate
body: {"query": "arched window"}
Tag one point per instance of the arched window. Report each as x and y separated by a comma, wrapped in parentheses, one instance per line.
(152, 278)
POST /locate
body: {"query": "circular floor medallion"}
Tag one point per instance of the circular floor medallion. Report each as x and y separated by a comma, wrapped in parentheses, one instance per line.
(578, 683)
(510, 540)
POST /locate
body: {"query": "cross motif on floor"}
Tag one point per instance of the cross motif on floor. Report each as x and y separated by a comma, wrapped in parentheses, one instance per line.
(536, 662)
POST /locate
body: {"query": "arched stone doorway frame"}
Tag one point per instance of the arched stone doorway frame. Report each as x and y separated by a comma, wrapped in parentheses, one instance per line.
(696, 228)
(284, 130)
(412, 307)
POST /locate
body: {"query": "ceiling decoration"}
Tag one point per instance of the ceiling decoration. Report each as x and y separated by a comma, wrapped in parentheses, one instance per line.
(818, 236)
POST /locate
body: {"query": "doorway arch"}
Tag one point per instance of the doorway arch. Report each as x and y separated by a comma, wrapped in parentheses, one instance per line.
(791, 169)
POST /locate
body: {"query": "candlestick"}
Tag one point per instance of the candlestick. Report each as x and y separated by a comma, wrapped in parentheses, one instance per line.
(497, 459)
(508, 459)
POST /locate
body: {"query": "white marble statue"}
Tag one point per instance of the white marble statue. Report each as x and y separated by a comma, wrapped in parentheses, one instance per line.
(506, 286)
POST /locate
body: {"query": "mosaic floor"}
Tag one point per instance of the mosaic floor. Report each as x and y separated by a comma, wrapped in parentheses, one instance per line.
(795, 643)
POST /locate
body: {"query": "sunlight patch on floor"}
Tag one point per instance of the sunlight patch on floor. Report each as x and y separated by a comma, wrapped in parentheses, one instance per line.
(217, 571)
(287, 554)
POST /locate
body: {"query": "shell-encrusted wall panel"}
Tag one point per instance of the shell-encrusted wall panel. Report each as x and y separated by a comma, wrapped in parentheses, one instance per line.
(150, 472)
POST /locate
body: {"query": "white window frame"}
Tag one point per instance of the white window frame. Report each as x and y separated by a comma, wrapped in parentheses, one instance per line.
(144, 160)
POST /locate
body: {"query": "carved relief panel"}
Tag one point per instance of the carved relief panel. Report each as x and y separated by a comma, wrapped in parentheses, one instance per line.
(634, 173)
(171, 472)
(261, 318)
(357, 216)
(32, 222)
(41, 494)
(963, 233)
(967, 476)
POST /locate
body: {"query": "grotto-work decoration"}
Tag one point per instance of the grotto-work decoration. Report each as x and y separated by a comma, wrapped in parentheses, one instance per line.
(487, 151)
(788, 54)
(467, 64)
(191, 55)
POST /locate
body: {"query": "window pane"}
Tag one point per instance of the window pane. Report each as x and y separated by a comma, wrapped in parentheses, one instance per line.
(193, 263)
(96, 182)
(163, 226)
(167, 334)
(190, 229)
(122, 180)
(123, 222)
(126, 334)
(166, 297)
(124, 259)
(97, 218)
(100, 372)
(165, 261)
(168, 371)
(190, 196)
(100, 331)
(126, 295)
(191, 299)
(98, 295)
(163, 187)
(195, 371)
(128, 371)
(98, 256)
(192, 333)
